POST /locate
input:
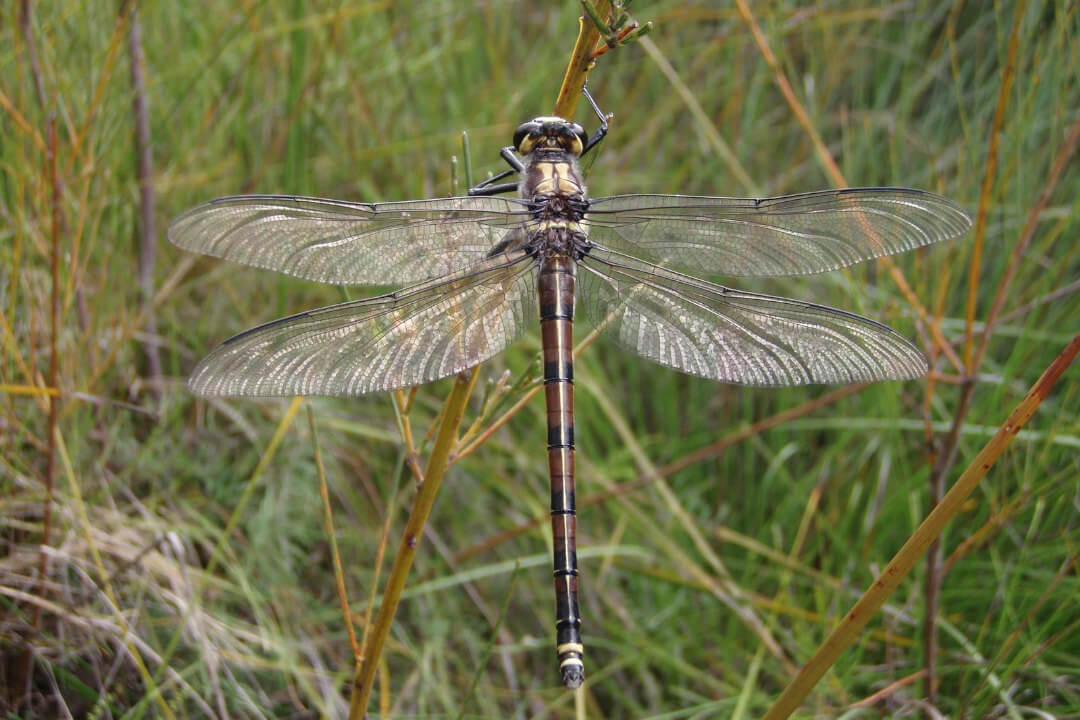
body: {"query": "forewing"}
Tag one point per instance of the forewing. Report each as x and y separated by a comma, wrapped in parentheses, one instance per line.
(791, 235)
(737, 337)
(416, 335)
(347, 243)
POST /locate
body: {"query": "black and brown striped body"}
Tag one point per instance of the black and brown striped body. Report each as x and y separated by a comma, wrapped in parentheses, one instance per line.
(556, 286)
(551, 182)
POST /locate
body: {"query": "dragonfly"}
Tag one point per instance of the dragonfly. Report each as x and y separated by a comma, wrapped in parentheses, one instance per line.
(477, 271)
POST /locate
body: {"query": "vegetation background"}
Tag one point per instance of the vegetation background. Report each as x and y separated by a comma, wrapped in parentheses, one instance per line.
(187, 567)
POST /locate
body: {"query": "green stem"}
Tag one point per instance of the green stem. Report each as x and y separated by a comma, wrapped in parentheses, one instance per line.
(453, 411)
(867, 606)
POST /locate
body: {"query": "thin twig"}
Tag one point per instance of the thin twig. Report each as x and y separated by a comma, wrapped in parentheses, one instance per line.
(371, 654)
(22, 123)
(126, 331)
(401, 412)
(944, 459)
(1065, 154)
(1008, 73)
(328, 517)
(1038, 302)
(54, 332)
(144, 173)
(761, 426)
(950, 446)
(498, 423)
(889, 689)
(947, 455)
(915, 547)
(380, 555)
(26, 25)
(581, 61)
(54, 374)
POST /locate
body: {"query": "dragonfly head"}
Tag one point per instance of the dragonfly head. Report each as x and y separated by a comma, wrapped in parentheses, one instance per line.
(550, 133)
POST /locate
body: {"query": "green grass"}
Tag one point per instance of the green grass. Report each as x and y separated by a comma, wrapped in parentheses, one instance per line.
(367, 102)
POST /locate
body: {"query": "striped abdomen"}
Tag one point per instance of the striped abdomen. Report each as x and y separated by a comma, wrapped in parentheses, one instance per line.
(556, 288)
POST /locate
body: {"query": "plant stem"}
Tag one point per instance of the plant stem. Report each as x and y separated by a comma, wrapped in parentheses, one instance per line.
(453, 412)
(872, 600)
(580, 62)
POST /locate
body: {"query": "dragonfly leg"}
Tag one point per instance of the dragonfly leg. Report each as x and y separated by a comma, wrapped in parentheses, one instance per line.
(493, 189)
(488, 188)
(601, 132)
(511, 158)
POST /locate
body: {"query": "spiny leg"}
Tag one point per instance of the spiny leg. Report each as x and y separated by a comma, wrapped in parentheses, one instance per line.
(601, 131)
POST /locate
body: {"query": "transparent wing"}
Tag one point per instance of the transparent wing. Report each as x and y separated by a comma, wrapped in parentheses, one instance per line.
(737, 337)
(791, 235)
(347, 243)
(410, 337)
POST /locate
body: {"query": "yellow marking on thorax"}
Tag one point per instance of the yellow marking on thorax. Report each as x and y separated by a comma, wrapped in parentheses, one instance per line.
(559, 223)
(557, 178)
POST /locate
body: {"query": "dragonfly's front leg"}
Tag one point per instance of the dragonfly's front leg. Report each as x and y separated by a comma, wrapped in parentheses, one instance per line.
(601, 132)
(488, 188)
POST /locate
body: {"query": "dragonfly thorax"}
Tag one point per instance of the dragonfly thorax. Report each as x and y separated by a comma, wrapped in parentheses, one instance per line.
(550, 133)
(559, 207)
(551, 185)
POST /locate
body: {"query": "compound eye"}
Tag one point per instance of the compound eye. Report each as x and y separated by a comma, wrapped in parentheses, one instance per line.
(580, 132)
(580, 138)
(525, 136)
